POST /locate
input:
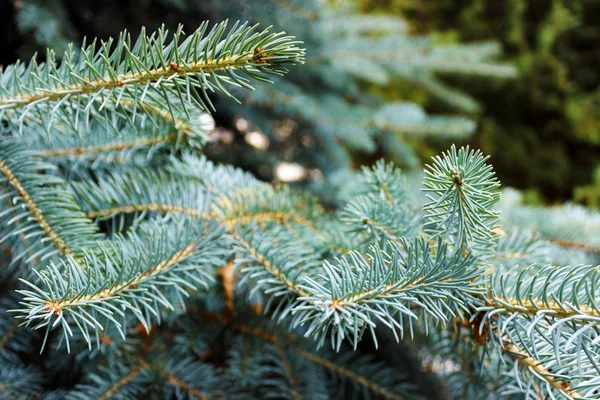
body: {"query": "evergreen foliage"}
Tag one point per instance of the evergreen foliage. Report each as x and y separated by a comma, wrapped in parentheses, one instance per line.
(319, 116)
(139, 268)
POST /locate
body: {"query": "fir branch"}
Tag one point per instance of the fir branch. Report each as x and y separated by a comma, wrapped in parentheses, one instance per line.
(215, 221)
(547, 319)
(116, 386)
(335, 368)
(14, 340)
(245, 354)
(140, 208)
(349, 374)
(519, 248)
(219, 179)
(34, 210)
(532, 307)
(118, 289)
(461, 190)
(271, 369)
(261, 253)
(381, 206)
(550, 313)
(384, 181)
(188, 186)
(50, 208)
(191, 378)
(142, 78)
(139, 191)
(238, 198)
(569, 226)
(20, 245)
(121, 379)
(125, 274)
(457, 357)
(560, 293)
(356, 292)
(538, 369)
(114, 72)
(384, 221)
(231, 222)
(263, 203)
(19, 381)
(184, 121)
(127, 132)
(174, 380)
(179, 376)
(369, 24)
(289, 375)
(106, 148)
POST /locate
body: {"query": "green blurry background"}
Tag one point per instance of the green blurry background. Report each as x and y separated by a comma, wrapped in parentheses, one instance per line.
(542, 129)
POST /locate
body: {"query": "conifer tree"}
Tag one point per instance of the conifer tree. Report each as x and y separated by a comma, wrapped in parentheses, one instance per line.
(135, 267)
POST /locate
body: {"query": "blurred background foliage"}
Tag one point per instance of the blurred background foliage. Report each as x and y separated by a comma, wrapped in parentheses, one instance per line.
(542, 129)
